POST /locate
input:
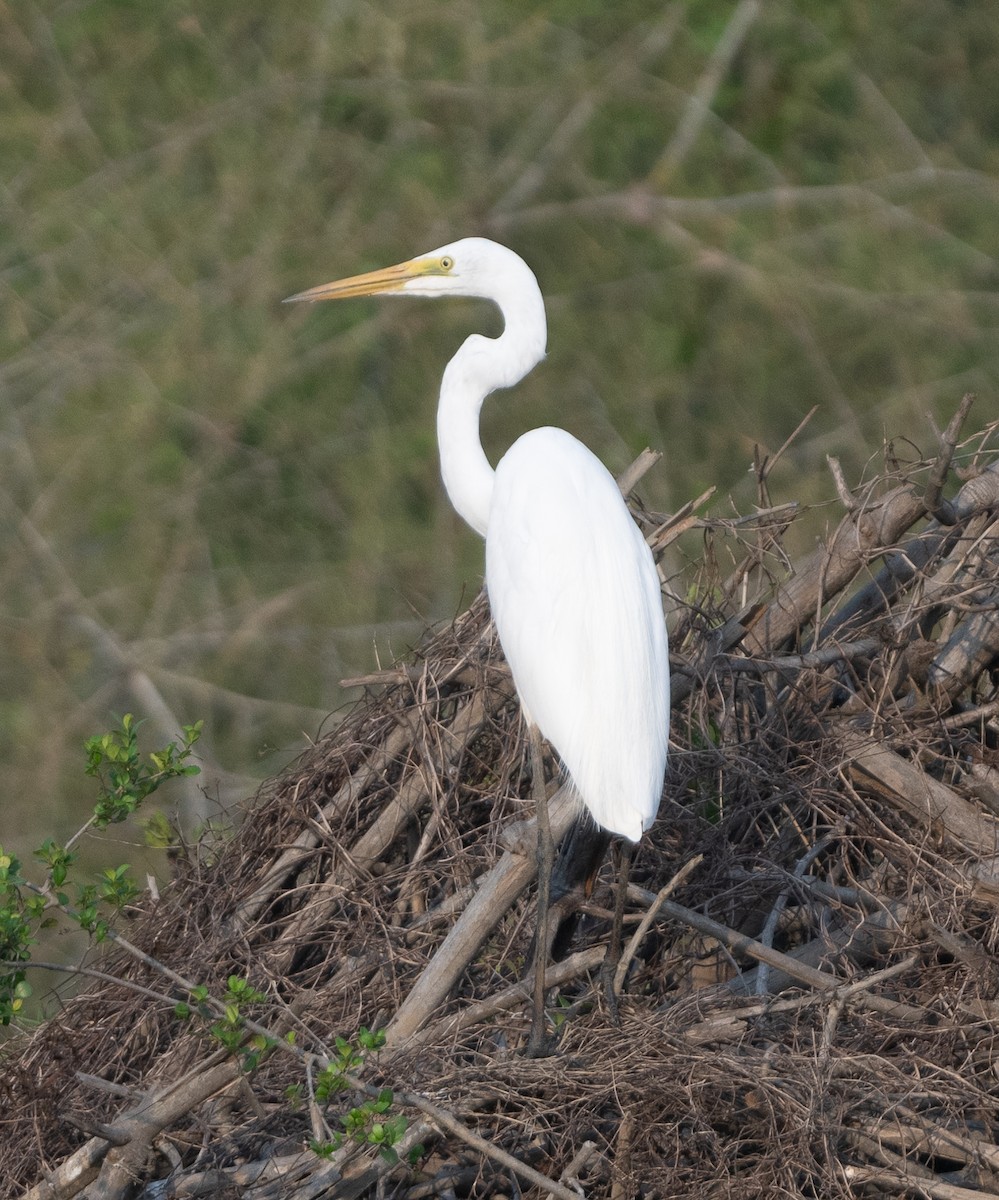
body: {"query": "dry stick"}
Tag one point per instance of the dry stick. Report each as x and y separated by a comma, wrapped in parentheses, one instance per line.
(846, 497)
(730, 1025)
(930, 1140)
(946, 513)
(410, 898)
(497, 891)
(651, 912)
(873, 1149)
(791, 438)
(825, 572)
(875, 936)
(472, 718)
(764, 469)
(980, 492)
(448, 1179)
(740, 943)
(302, 847)
(900, 568)
(622, 1158)
(119, 1166)
(89, 973)
(770, 927)
(682, 683)
(849, 990)
(943, 510)
(298, 1176)
(758, 519)
(629, 478)
(666, 534)
(910, 1176)
(769, 525)
(382, 835)
(982, 712)
(957, 574)
(812, 661)
(578, 1161)
(217, 1181)
(916, 794)
(444, 911)
(367, 773)
(976, 496)
(345, 1176)
(400, 674)
(976, 1149)
(670, 528)
(509, 997)
(103, 1085)
(967, 653)
(901, 1182)
(446, 1121)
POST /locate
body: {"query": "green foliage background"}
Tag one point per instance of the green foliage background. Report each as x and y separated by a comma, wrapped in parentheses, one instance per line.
(215, 507)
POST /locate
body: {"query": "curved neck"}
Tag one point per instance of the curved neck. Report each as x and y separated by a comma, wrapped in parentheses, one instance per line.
(481, 366)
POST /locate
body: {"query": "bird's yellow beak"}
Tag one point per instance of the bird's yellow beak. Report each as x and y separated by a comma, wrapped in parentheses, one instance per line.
(376, 283)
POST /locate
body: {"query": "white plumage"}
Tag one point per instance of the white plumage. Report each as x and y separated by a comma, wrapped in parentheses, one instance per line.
(575, 596)
(572, 584)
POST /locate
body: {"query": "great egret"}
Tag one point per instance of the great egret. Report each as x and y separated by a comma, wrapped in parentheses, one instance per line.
(571, 581)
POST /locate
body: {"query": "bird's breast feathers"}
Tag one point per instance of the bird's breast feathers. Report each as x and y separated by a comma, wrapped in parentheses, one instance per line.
(575, 595)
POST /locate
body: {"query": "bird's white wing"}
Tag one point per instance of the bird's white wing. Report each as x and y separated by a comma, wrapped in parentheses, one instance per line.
(575, 595)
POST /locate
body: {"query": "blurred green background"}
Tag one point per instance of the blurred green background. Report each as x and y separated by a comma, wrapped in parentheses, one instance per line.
(217, 507)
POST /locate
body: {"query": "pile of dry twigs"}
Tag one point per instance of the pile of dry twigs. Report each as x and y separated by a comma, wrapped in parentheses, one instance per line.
(809, 1006)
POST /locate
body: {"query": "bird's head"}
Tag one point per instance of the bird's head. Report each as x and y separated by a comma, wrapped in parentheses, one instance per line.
(469, 267)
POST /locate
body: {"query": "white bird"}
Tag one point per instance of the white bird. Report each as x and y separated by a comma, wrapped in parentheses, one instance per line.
(572, 584)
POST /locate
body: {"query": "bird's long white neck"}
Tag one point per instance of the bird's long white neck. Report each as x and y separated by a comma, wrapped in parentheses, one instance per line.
(482, 365)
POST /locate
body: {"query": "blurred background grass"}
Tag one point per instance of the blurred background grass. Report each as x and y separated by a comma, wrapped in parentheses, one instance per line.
(215, 507)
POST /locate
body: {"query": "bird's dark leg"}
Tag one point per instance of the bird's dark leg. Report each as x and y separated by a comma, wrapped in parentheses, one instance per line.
(573, 877)
(613, 955)
(537, 1044)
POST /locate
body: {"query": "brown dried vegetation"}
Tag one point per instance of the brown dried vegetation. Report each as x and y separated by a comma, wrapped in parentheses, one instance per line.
(812, 1011)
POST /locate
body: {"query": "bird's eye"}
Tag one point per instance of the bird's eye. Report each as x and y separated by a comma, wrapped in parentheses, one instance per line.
(447, 263)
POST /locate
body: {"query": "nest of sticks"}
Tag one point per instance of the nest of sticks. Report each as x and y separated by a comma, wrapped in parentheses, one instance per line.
(810, 992)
